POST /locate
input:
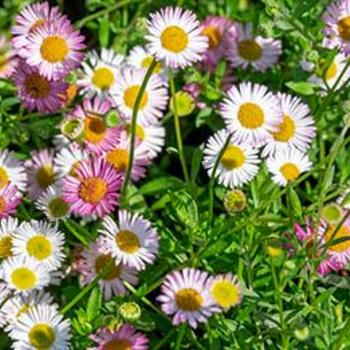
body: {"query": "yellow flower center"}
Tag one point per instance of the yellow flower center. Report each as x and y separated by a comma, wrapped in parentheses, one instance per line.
(289, 171)
(103, 78)
(226, 293)
(250, 115)
(250, 50)
(286, 130)
(58, 207)
(4, 178)
(42, 336)
(130, 95)
(3, 204)
(188, 299)
(37, 86)
(213, 35)
(344, 231)
(140, 133)
(39, 247)
(146, 62)
(104, 260)
(174, 39)
(45, 176)
(119, 158)
(5, 247)
(94, 129)
(23, 278)
(233, 157)
(93, 189)
(127, 241)
(331, 71)
(54, 49)
(344, 28)
(117, 344)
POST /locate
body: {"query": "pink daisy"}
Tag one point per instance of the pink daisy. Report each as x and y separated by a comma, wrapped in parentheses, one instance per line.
(93, 260)
(41, 172)
(186, 295)
(93, 189)
(55, 48)
(97, 136)
(36, 91)
(219, 30)
(10, 199)
(30, 18)
(126, 337)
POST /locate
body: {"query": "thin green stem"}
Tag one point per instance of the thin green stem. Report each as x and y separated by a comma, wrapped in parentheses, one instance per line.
(178, 128)
(212, 180)
(75, 233)
(134, 125)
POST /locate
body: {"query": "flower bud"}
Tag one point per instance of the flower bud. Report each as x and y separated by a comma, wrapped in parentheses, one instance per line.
(332, 213)
(130, 311)
(235, 201)
(184, 102)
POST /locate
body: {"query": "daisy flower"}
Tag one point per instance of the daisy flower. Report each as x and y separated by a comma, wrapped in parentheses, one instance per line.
(175, 36)
(153, 102)
(8, 59)
(118, 158)
(93, 190)
(287, 165)
(258, 52)
(18, 305)
(40, 241)
(251, 112)
(36, 91)
(97, 136)
(7, 229)
(55, 48)
(68, 158)
(30, 18)
(337, 26)
(219, 30)
(100, 73)
(225, 290)
(132, 241)
(238, 165)
(297, 128)
(42, 327)
(41, 172)
(332, 74)
(126, 337)
(185, 294)
(12, 171)
(150, 138)
(94, 260)
(52, 204)
(24, 274)
(140, 58)
(10, 199)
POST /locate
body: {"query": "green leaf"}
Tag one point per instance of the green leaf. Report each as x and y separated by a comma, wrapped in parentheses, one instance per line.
(196, 163)
(103, 32)
(94, 304)
(185, 208)
(301, 87)
(295, 201)
(160, 185)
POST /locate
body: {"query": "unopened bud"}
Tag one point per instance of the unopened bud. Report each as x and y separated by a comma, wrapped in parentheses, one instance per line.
(332, 213)
(235, 201)
(130, 311)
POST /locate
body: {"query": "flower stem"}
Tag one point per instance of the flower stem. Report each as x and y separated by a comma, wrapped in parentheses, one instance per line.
(134, 124)
(178, 128)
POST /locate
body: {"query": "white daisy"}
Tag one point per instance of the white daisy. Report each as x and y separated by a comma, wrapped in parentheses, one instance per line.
(297, 129)
(43, 327)
(153, 101)
(11, 171)
(258, 52)
(175, 36)
(24, 274)
(332, 74)
(287, 165)
(8, 227)
(238, 165)
(133, 241)
(140, 58)
(68, 158)
(18, 305)
(40, 241)
(251, 112)
(52, 203)
(100, 73)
